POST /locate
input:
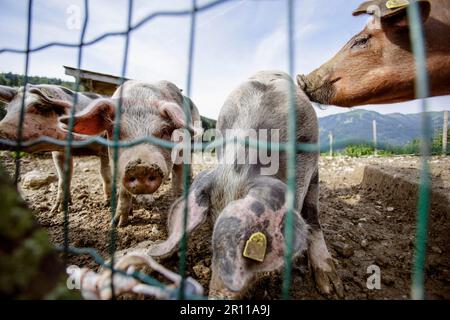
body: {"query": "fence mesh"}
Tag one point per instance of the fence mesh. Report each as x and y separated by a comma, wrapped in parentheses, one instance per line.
(291, 147)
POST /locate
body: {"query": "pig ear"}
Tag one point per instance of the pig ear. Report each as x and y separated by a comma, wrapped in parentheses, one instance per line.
(198, 205)
(97, 118)
(175, 114)
(400, 19)
(7, 93)
(394, 13)
(242, 226)
(52, 97)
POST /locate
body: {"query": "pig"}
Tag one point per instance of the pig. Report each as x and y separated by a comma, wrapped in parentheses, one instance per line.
(377, 65)
(44, 104)
(239, 198)
(148, 109)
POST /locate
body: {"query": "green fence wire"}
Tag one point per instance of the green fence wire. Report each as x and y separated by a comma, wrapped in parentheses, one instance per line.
(68, 150)
(423, 207)
(186, 147)
(22, 113)
(291, 159)
(291, 147)
(116, 138)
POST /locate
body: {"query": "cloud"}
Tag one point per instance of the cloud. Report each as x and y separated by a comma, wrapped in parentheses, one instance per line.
(272, 51)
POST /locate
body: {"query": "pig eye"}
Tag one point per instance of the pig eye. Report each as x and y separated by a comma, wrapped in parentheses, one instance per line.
(46, 109)
(360, 41)
(165, 134)
(37, 108)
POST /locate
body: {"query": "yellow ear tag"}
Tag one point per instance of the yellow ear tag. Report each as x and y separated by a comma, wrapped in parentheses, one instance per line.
(394, 4)
(255, 247)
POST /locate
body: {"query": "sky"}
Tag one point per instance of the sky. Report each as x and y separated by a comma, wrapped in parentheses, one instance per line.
(233, 41)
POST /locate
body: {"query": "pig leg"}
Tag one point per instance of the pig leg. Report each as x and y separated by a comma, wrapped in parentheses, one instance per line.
(105, 172)
(177, 179)
(124, 207)
(325, 275)
(59, 159)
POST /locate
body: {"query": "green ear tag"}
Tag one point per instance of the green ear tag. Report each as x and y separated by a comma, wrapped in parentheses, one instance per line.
(255, 247)
(394, 4)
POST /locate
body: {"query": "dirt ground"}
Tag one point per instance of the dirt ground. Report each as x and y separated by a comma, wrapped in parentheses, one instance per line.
(366, 221)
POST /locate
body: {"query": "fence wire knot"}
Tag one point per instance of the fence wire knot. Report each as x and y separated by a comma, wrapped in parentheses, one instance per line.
(97, 285)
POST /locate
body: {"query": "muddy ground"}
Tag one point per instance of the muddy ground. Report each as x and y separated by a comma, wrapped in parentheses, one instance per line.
(367, 220)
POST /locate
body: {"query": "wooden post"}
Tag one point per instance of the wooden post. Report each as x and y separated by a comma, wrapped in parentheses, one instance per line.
(445, 133)
(330, 136)
(374, 132)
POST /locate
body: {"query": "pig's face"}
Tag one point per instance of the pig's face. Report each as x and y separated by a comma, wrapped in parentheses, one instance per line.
(375, 66)
(141, 168)
(43, 105)
(261, 210)
(144, 167)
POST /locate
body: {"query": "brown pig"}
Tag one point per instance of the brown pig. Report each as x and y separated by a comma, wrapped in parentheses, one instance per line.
(245, 195)
(377, 65)
(43, 105)
(147, 110)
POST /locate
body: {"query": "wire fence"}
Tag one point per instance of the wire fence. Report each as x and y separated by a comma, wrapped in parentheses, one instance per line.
(291, 147)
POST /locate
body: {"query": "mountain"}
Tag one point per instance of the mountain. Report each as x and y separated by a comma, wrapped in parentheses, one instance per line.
(393, 129)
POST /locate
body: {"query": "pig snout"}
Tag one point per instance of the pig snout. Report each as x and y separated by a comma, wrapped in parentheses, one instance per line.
(141, 177)
(302, 82)
(319, 85)
(2, 134)
(312, 82)
(7, 131)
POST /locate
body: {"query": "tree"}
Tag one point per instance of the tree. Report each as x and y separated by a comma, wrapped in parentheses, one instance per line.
(16, 80)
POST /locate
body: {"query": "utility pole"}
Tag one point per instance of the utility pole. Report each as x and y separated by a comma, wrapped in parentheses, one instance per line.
(374, 132)
(445, 133)
(330, 136)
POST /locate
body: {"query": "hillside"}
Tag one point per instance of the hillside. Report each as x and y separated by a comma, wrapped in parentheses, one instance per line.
(393, 129)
